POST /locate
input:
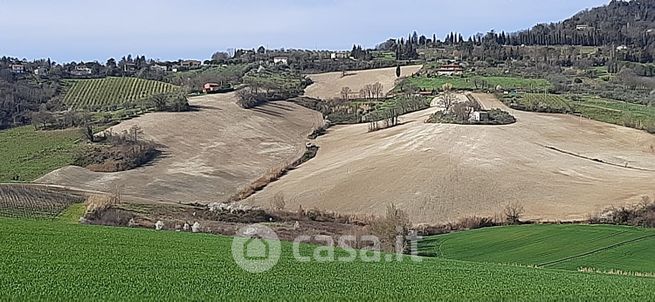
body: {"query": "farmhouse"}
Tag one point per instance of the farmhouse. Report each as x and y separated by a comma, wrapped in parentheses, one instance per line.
(159, 67)
(41, 71)
(190, 64)
(450, 70)
(81, 71)
(479, 116)
(281, 60)
(210, 87)
(17, 68)
(583, 27)
(339, 55)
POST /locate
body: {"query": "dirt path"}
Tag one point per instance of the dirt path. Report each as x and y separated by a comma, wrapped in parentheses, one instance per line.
(210, 154)
(440, 172)
(329, 85)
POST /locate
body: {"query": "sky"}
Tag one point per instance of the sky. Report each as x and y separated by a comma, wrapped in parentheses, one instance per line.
(87, 30)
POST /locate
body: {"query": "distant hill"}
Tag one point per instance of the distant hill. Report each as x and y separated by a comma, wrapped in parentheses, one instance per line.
(620, 23)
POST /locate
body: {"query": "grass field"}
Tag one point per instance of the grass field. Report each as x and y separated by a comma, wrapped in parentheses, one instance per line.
(108, 93)
(27, 154)
(60, 261)
(469, 83)
(568, 247)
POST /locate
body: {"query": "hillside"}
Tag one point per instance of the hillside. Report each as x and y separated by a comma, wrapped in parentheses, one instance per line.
(569, 247)
(109, 93)
(630, 23)
(441, 172)
(100, 263)
(210, 153)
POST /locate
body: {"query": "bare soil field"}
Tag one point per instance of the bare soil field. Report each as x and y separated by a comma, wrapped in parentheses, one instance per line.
(559, 167)
(328, 85)
(209, 153)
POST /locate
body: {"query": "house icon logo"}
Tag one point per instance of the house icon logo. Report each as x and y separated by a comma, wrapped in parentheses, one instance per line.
(256, 248)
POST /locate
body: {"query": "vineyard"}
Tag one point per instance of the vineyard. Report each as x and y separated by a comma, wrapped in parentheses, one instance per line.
(83, 261)
(34, 202)
(477, 83)
(108, 94)
(538, 102)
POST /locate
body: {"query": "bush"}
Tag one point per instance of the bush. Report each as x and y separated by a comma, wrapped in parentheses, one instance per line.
(641, 215)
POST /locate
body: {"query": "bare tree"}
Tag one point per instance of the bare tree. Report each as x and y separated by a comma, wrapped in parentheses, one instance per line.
(362, 93)
(513, 212)
(345, 93)
(447, 98)
(377, 89)
(135, 133)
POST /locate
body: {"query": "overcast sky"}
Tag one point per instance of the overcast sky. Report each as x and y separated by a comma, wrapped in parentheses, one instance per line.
(67, 30)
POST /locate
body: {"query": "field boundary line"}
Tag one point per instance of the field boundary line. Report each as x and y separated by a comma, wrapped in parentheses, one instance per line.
(600, 161)
(598, 250)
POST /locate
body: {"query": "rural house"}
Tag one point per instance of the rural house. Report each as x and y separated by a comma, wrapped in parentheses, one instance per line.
(17, 68)
(339, 55)
(450, 70)
(190, 64)
(211, 87)
(41, 71)
(281, 60)
(81, 71)
(479, 116)
(158, 67)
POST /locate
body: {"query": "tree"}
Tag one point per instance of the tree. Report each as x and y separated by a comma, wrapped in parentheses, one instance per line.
(513, 213)
(220, 56)
(261, 50)
(135, 133)
(394, 226)
(345, 93)
(377, 90)
(398, 71)
(447, 98)
(159, 101)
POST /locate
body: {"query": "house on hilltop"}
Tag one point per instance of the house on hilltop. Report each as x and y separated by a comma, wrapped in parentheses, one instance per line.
(281, 60)
(82, 71)
(18, 68)
(450, 70)
(190, 64)
(583, 27)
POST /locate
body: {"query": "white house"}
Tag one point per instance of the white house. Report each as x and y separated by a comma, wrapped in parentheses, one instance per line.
(621, 48)
(339, 55)
(82, 71)
(281, 60)
(159, 67)
(17, 68)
